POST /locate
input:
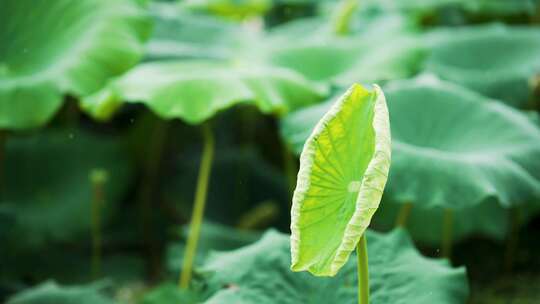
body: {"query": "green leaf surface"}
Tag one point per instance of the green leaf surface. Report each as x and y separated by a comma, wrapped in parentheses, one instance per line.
(466, 152)
(194, 91)
(52, 293)
(260, 274)
(495, 60)
(62, 47)
(343, 170)
(47, 188)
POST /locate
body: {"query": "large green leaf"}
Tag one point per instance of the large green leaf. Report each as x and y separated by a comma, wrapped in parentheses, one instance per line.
(180, 34)
(51, 293)
(195, 90)
(343, 170)
(260, 273)
(494, 60)
(469, 154)
(49, 48)
(47, 189)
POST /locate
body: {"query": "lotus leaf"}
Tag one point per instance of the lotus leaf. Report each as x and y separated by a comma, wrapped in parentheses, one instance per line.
(259, 273)
(195, 90)
(343, 170)
(62, 47)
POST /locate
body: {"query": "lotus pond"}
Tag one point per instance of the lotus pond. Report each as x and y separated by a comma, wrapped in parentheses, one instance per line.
(269, 151)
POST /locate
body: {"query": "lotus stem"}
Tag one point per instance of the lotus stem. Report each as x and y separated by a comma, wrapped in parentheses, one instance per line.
(363, 273)
(98, 178)
(447, 230)
(198, 208)
(147, 186)
(289, 164)
(403, 215)
(3, 138)
(344, 13)
(512, 238)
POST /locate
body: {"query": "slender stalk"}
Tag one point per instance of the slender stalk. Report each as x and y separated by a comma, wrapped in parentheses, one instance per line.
(403, 215)
(344, 13)
(3, 137)
(98, 178)
(512, 238)
(146, 190)
(198, 208)
(448, 221)
(363, 273)
(289, 163)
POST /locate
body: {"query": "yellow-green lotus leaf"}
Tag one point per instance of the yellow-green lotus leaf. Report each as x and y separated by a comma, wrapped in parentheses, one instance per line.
(343, 170)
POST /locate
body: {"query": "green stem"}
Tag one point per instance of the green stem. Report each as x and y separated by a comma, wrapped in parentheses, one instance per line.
(344, 13)
(403, 215)
(446, 246)
(198, 208)
(289, 163)
(512, 238)
(146, 190)
(363, 273)
(3, 137)
(98, 178)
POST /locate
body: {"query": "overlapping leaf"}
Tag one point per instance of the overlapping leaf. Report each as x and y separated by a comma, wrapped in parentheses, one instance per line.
(62, 47)
(260, 273)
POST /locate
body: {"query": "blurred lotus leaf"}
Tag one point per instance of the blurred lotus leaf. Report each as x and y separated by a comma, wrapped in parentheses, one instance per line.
(62, 47)
(495, 60)
(259, 273)
(179, 34)
(194, 91)
(52, 293)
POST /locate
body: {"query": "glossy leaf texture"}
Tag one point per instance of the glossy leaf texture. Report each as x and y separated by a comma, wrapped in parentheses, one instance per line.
(453, 149)
(495, 60)
(180, 34)
(259, 273)
(51, 292)
(62, 47)
(194, 91)
(50, 204)
(343, 170)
